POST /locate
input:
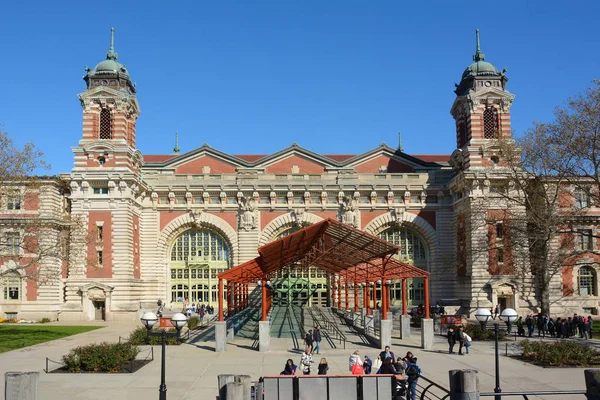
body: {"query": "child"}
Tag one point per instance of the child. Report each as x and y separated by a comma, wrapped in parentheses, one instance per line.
(323, 367)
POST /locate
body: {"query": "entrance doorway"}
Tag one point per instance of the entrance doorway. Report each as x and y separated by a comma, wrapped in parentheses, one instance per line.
(99, 310)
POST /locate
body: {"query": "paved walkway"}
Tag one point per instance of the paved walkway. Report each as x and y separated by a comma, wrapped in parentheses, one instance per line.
(192, 368)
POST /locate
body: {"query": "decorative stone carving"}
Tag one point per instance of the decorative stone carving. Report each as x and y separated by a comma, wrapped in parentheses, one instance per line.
(196, 213)
(349, 212)
(397, 215)
(248, 213)
(297, 215)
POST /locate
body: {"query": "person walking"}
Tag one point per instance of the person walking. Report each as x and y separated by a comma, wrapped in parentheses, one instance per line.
(520, 329)
(496, 311)
(317, 338)
(308, 340)
(529, 323)
(451, 340)
(590, 326)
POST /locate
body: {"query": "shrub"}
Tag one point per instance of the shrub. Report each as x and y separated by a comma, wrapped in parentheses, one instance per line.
(140, 336)
(10, 321)
(559, 354)
(45, 320)
(474, 330)
(108, 357)
(193, 322)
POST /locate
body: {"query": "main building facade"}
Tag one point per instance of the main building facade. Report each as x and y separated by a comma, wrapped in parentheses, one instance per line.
(151, 227)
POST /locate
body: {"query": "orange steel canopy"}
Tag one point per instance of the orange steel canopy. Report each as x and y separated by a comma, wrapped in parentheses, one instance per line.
(331, 246)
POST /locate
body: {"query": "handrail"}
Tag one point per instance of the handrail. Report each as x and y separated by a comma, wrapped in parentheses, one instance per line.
(338, 335)
(426, 390)
(534, 393)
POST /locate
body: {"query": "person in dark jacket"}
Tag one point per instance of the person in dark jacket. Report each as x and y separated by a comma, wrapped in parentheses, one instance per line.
(290, 368)
(387, 367)
(387, 353)
(590, 325)
(413, 372)
(460, 339)
(520, 329)
(367, 365)
(529, 323)
(308, 341)
(451, 340)
(317, 338)
(323, 367)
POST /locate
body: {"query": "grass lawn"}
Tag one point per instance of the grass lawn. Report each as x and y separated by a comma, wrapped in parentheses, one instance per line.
(14, 337)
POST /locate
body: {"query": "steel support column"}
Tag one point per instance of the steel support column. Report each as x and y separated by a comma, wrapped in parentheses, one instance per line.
(403, 296)
(264, 300)
(355, 296)
(220, 299)
(383, 300)
(426, 289)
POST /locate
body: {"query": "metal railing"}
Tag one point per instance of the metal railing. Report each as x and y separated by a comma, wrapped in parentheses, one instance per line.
(525, 395)
(428, 389)
(330, 330)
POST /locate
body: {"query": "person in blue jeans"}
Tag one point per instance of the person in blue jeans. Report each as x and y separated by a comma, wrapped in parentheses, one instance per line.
(317, 339)
(413, 372)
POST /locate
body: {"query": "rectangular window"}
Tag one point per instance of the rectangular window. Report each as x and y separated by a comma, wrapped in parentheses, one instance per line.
(381, 200)
(179, 274)
(331, 200)
(398, 199)
(231, 200)
(194, 274)
(12, 288)
(585, 240)
(414, 199)
(499, 230)
(364, 200)
(99, 232)
(163, 200)
(500, 255)
(281, 200)
(431, 199)
(13, 201)
(298, 200)
(198, 200)
(206, 273)
(582, 198)
(13, 243)
(214, 200)
(264, 200)
(100, 257)
(315, 200)
(173, 273)
(186, 273)
(100, 190)
(213, 273)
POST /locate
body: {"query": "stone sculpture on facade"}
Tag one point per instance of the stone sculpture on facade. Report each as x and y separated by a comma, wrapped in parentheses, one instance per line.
(248, 213)
(349, 212)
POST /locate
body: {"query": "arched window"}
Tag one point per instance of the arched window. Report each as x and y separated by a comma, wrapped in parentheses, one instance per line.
(412, 248)
(11, 286)
(200, 245)
(587, 281)
(105, 124)
(490, 123)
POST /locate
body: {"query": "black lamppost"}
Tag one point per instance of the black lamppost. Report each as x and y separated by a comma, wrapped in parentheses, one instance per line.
(178, 320)
(483, 315)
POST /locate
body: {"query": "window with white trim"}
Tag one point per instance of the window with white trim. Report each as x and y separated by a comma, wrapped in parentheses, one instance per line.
(582, 198)
(13, 243)
(13, 201)
(584, 240)
(11, 286)
(586, 279)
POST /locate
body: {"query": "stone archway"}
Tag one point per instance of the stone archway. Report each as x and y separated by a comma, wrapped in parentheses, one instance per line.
(96, 301)
(273, 228)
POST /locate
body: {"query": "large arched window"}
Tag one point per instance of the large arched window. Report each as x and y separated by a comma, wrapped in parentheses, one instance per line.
(413, 251)
(197, 256)
(586, 278)
(412, 248)
(200, 245)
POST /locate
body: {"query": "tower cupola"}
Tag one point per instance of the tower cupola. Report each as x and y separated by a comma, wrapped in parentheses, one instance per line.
(110, 72)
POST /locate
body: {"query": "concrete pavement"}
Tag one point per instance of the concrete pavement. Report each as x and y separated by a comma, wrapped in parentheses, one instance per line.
(192, 368)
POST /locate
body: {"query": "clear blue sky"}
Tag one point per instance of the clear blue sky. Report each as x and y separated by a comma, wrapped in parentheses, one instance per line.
(255, 76)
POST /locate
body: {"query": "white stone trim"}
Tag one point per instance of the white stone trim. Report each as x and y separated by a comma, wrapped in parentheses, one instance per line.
(287, 220)
(189, 221)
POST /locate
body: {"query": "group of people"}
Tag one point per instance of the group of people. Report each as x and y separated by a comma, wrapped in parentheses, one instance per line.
(305, 362)
(387, 363)
(561, 328)
(456, 334)
(312, 340)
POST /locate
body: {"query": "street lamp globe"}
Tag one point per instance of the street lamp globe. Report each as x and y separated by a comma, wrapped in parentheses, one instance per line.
(149, 319)
(178, 320)
(483, 315)
(509, 314)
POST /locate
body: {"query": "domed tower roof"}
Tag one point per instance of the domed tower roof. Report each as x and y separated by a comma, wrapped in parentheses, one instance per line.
(479, 68)
(110, 68)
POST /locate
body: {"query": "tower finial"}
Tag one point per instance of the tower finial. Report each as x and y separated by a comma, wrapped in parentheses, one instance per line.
(400, 148)
(478, 56)
(112, 55)
(176, 148)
